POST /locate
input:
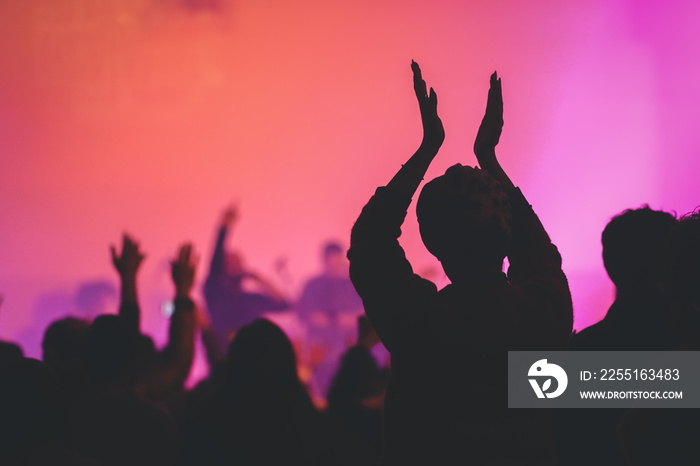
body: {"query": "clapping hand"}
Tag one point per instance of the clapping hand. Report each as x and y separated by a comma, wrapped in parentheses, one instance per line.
(433, 131)
(491, 126)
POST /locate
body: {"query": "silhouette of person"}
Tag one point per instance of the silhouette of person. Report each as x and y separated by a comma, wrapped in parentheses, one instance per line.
(638, 320)
(669, 436)
(329, 305)
(258, 412)
(161, 373)
(356, 396)
(32, 422)
(229, 305)
(9, 352)
(116, 425)
(445, 403)
(633, 252)
(64, 353)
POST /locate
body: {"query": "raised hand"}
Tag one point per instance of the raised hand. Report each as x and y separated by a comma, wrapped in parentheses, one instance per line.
(407, 180)
(489, 134)
(433, 131)
(183, 270)
(127, 263)
(230, 215)
(491, 126)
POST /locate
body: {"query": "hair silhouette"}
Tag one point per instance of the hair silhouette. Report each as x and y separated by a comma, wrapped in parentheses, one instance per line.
(464, 216)
(261, 368)
(110, 349)
(633, 247)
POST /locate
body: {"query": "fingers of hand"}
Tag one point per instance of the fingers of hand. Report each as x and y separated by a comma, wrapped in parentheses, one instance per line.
(433, 97)
(418, 83)
(187, 259)
(495, 98)
(129, 243)
(416, 69)
(421, 90)
(130, 249)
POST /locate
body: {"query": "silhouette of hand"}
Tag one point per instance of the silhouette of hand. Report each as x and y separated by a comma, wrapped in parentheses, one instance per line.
(433, 131)
(492, 125)
(183, 270)
(127, 264)
(230, 215)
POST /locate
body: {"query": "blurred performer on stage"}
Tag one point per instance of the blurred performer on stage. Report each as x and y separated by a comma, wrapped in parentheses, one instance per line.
(330, 306)
(230, 305)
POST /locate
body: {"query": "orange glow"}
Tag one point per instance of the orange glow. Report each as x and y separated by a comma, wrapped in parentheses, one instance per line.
(150, 116)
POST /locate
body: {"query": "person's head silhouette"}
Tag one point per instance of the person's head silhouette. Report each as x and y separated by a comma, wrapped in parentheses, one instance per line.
(464, 219)
(110, 351)
(261, 364)
(633, 248)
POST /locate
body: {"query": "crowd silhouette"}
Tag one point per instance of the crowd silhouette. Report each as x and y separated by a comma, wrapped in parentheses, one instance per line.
(103, 394)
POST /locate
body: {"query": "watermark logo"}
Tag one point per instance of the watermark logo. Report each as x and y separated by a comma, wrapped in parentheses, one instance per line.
(542, 370)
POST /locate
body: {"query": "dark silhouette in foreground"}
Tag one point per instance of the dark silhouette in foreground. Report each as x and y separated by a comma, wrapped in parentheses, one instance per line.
(445, 403)
(639, 320)
(670, 436)
(160, 375)
(118, 423)
(257, 412)
(9, 352)
(633, 254)
(356, 396)
(64, 353)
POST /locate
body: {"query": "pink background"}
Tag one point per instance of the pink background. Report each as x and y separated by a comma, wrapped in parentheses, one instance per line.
(150, 116)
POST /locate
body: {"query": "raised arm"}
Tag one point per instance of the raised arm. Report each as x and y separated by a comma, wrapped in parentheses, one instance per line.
(535, 263)
(127, 266)
(218, 260)
(174, 362)
(406, 181)
(382, 275)
(490, 133)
